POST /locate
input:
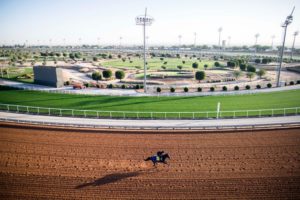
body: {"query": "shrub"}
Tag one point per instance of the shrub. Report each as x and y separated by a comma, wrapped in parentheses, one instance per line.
(123, 86)
(243, 67)
(258, 86)
(257, 61)
(250, 68)
(96, 76)
(110, 86)
(217, 64)
(236, 87)
(95, 59)
(185, 89)
(247, 87)
(200, 75)
(224, 88)
(137, 87)
(119, 74)
(195, 65)
(172, 89)
(199, 89)
(269, 85)
(165, 62)
(298, 82)
(86, 85)
(292, 83)
(158, 89)
(107, 73)
(212, 89)
(67, 83)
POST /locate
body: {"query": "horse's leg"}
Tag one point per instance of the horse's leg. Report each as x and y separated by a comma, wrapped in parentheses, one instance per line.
(147, 159)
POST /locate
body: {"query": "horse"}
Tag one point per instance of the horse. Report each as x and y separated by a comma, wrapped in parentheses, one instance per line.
(158, 159)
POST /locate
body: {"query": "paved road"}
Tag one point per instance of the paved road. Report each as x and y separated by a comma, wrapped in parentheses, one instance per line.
(152, 123)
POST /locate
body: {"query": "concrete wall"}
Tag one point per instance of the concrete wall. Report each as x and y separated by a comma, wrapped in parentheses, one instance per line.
(48, 75)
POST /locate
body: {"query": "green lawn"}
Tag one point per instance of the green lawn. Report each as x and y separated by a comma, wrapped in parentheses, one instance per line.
(156, 63)
(18, 74)
(275, 100)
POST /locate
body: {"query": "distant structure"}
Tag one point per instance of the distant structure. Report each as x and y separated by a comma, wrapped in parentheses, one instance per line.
(48, 75)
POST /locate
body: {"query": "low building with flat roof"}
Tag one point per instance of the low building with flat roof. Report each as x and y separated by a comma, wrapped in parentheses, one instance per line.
(48, 75)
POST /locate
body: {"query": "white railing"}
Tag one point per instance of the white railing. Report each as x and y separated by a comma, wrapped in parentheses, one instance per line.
(149, 115)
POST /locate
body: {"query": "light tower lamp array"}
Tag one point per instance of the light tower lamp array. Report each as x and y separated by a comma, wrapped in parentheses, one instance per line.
(293, 47)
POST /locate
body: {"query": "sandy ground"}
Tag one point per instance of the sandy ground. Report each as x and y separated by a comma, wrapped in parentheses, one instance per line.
(55, 164)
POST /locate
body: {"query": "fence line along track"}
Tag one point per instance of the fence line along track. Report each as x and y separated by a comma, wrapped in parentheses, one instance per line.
(163, 128)
(149, 115)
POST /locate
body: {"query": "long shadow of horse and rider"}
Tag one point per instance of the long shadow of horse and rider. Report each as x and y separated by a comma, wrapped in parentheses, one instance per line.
(160, 157)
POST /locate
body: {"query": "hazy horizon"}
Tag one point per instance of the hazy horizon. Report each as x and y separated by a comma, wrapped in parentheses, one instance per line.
(100, 22)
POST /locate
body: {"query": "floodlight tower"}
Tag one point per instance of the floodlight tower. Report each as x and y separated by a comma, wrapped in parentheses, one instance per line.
(144, 21)
(220, 31)
(229, 39)
(195, 39)
(255, 44)
(295, 35)
(272, 47)
(120, 44)
(285, 24)
(98, 42)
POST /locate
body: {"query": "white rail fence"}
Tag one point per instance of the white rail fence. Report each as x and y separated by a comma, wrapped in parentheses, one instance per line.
(149, 115)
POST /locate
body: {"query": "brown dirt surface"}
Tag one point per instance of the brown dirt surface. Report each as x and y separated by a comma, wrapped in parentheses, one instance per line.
(56, 164)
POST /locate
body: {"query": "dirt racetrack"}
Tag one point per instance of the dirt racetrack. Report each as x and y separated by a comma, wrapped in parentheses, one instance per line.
(55, 164)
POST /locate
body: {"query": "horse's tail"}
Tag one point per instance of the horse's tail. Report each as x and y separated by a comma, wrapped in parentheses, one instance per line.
(147, 159)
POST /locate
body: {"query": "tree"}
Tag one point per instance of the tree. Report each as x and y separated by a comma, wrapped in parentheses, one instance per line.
(250, 75)
(183, 62)
(250, 68)
(217, 64)
(123, 59)
(205, 66)
(107, 73)
(242, 66)
(119, 56)
(120, 74)
(163, 67)
(200, 75)
(95, 59)
(195, 65)
(109, 56)
(96, 76)
(237, 74)
(261, 73)
(158, 89)
(161, 59)
(179, 67)
(257, 60)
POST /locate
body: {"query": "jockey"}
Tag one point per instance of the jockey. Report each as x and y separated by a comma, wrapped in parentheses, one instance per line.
(158, 155)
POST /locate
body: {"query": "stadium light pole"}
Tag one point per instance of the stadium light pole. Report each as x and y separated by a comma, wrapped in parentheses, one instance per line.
(255, 44)
(295, 35)
(144, 21)
(287, 21)
(229, 39)
(220, 31)
(120, 44)
(272, 43)
(195, 39)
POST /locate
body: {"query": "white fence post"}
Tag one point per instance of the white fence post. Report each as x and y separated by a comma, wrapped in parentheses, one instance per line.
(193, 115)
(49, 111)
(110, 115)
(123, 115)
(27, 109)
(272, 113)
(72, 113)
(151, 115)
(38, 110)
(97, 114)
(17, 108)
(84, 113)
(7, 107)
(284, 111)
(59, 112)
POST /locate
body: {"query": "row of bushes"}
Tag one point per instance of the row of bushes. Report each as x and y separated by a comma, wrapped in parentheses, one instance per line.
(212, 89)
(224, 88)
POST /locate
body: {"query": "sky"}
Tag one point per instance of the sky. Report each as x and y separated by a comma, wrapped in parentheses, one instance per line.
(103, 22)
